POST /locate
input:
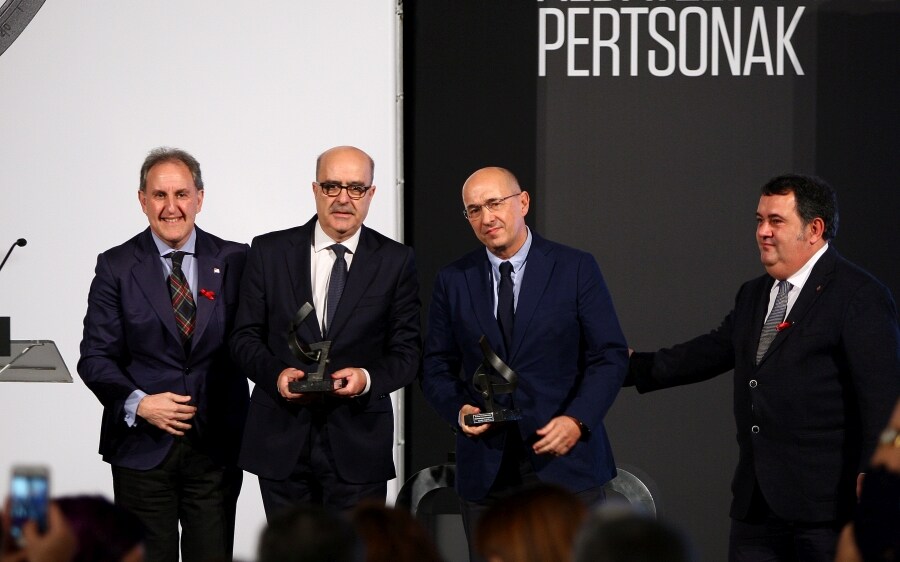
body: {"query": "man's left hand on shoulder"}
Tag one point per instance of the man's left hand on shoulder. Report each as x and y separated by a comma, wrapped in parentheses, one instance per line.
(558, 436)
(354, 381)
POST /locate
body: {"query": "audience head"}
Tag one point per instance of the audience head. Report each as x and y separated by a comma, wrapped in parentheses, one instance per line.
(534, 525)
(393, 535)
(309, 533)
(619, 534)
(877, 520)
(104, 531)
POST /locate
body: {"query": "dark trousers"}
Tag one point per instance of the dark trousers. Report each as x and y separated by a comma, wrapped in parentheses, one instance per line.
(516, 474)
(188, 487)
(315, 480)
(764, 537)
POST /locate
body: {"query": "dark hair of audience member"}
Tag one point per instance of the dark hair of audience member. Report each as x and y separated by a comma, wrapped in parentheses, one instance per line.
(535, 525)
(392, 535)
(105, 532)
(309, 533)
(628, 536)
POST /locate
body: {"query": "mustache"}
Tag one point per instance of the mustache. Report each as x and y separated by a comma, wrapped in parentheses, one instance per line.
(342, 208)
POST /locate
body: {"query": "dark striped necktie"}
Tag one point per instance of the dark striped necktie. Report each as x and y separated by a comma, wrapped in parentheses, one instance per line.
(182, 299)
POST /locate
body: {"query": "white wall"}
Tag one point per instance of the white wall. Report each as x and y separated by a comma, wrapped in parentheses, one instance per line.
(254, 90)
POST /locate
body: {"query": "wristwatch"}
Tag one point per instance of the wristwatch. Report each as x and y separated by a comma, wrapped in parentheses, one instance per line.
(585, 430)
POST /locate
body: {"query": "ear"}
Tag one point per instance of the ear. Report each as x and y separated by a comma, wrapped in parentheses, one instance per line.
(200, 193)
(816, 228)
(142, 199)
(526, 201)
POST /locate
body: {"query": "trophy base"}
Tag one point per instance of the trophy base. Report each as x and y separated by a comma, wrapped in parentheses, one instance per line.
(496, 416)
(323, 385)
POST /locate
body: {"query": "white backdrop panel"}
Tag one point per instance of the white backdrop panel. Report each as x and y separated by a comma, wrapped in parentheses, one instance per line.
(254, 90)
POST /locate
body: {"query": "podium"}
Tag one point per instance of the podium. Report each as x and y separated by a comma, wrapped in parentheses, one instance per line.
(32, 361)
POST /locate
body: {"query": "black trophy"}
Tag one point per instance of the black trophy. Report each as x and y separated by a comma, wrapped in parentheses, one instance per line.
(317, 380)
(489, 386)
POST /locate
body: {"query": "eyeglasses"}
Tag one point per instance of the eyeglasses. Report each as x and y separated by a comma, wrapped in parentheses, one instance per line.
(473, 212)
(333, 189)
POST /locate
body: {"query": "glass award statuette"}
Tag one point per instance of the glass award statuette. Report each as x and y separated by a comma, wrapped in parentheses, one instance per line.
(316, 353)
(487, 380)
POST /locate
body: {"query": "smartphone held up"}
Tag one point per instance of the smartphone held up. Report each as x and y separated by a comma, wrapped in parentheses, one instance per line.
(29, 496)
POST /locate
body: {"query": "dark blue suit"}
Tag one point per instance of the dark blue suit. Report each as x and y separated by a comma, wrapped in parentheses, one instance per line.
(376, 327)
(567, 349)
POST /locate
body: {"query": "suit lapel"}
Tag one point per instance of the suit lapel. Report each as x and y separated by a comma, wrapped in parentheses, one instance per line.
(210, 272)
(481, 295)
(815, 285)
(364, 268)
(537, 275)
(149, 275)
(761, 304)
(301, 283)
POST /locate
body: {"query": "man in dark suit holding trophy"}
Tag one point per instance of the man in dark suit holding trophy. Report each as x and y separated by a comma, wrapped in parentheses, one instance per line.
(331, 447)
(545, 313)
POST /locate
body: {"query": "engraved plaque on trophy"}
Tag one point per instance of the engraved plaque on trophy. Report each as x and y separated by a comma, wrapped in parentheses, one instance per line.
(318, 379)
(493, 377)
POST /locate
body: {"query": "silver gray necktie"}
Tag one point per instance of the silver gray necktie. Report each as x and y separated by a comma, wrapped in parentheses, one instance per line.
(776, 317)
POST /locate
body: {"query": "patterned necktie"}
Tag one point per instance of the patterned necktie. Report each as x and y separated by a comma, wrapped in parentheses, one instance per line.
(335, 284)
(182, 299)
(775, 318)
(506, 311)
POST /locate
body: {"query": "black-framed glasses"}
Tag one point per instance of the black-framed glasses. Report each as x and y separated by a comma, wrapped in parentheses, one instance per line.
(473, 212)
(333, 189)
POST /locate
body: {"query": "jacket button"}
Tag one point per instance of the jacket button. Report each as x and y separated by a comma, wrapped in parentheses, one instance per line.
(187, 370)
(755, 429)
(753, 384)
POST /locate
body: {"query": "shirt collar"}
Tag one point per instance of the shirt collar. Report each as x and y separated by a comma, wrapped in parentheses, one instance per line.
(322, 241)
(799, 279)
(188, 247)
(517, 260)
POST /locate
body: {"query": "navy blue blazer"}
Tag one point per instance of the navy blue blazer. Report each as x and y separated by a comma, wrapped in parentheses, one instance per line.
(131, 342)
(376, 327)
(567, 349)
(809, 415)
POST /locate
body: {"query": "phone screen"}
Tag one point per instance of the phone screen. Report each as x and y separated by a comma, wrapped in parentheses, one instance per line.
(29, 492)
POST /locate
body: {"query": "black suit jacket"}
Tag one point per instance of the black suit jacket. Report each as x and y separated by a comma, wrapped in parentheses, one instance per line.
(131, 342)
(376, 327)
(808, 416)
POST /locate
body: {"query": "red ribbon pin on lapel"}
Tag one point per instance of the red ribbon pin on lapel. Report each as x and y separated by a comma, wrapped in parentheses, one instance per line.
(208, 294)
(782, 326)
